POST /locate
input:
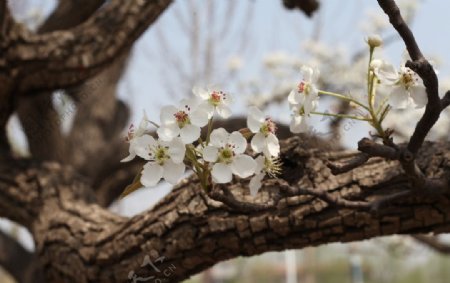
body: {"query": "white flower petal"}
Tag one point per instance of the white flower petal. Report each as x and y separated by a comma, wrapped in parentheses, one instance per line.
(130, 157)
(227, 99)
(255, 119)
(168, 132)
(385, 72)
(210, 153)
(260, 160)
(399, 97)
(219, 137)
(239, 142)
(224, 111)
(419, 95)
(243, 166)
(221, 173)
(315, 75)
(255, 184)
(188, 105)
(208, 108)
(142, 126)
(199, 117)
(258, 142)
(151, 174)
(173, 171)
(177, 150)
(189, 134)
(200, 92)
(307, 73)
(142, 145)
(272, 147)
(309, 104)
(257, 114)
(298, 124)
(295, 97)
(167, 114)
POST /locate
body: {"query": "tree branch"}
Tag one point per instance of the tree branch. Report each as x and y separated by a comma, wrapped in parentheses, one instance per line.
(5, 18)
(40, 121)
(433, 243)
(307, 6)
(423, 68)
(20, 263)
(191, 232)
(66, 58)
(70, 13)
(6, 83)
(95, 129)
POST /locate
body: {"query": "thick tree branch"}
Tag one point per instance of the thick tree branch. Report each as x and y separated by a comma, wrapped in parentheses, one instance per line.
(70, 13)
(6, 83)
(5, 19)
(188, 232)
(42, 126)
(40, 121)
(95, 129)
(20, 263)
(66, 58)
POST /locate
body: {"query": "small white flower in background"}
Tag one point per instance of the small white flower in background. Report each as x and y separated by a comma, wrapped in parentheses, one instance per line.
(226, 150)
(165, 161)
(214, 101)
(276, 59)
(184, 121)
(234, 63)
(406, 84)
(298, 120)
(134, 138)
(264, 129)
(306, 95)
(264, 165)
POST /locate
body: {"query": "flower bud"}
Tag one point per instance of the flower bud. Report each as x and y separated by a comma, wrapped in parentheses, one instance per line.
(374, 41)
(376, 64)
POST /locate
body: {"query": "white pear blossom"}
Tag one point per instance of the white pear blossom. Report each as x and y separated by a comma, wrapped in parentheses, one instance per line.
(407, 86)
(264, 166)
(226, 152)
(134, 138)
(185, 121)
(165, 161)
(306, 95)
(235, 63)
(264, 129)
(298, 120)
(214, 101)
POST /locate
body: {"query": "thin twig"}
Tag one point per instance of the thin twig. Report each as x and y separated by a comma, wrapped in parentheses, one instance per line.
(227, 198)
(339, 168)
(433, 243)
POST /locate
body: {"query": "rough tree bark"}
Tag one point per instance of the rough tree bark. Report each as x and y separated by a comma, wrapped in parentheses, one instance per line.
(84, 242)
(324, 195)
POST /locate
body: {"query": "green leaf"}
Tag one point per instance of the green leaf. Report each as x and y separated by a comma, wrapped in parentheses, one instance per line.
(136, 185)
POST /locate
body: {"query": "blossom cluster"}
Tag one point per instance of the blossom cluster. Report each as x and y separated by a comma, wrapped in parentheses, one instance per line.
(216, 157)
(387, 88)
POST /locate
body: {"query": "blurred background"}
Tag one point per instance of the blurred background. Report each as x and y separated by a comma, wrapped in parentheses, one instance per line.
(253, 49)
